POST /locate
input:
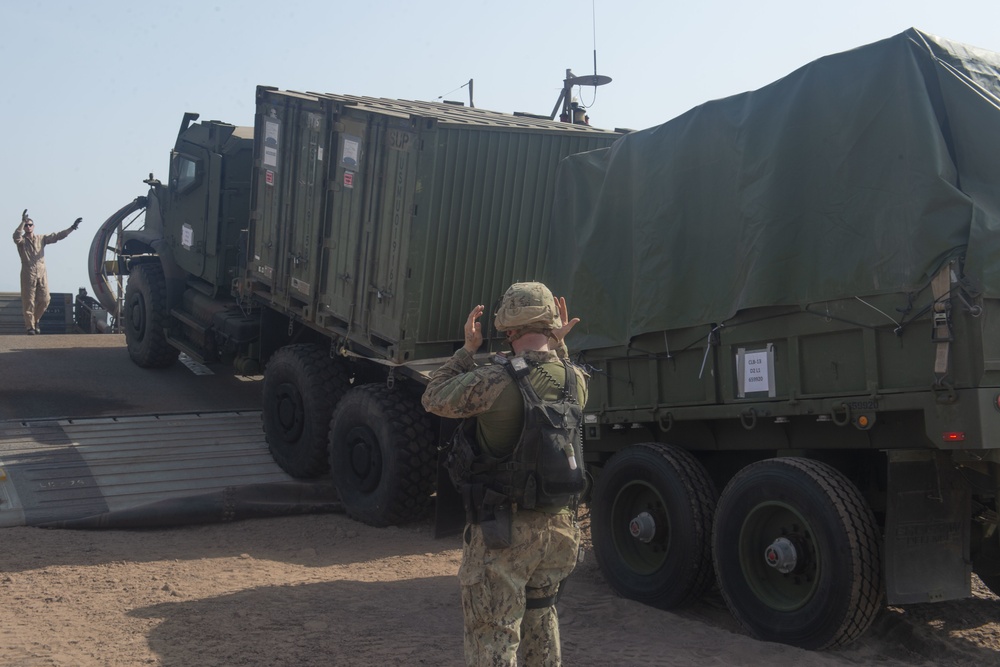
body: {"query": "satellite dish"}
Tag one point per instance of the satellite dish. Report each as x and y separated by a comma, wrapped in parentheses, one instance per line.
(588, 80)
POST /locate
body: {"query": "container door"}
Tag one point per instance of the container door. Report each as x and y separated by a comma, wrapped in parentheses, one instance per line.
(351, 193)
(389, 236)
(291, 190)
(269, 139)
(302, 220)
(371, 189)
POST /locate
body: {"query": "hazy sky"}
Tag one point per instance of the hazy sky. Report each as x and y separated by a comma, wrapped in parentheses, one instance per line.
(94, 90)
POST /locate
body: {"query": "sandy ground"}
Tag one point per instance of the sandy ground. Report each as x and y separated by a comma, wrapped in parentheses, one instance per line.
(324, 590)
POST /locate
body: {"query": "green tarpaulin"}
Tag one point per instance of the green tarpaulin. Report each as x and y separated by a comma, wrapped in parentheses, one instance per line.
(858, 174)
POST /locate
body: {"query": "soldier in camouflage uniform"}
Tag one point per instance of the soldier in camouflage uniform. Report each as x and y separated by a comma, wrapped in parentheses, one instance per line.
(508, 595)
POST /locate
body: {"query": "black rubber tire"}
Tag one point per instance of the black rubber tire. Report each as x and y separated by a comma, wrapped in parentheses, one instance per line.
(146, 317)
(835, 590)
(382, 455)
(302, 385)
(671, 566)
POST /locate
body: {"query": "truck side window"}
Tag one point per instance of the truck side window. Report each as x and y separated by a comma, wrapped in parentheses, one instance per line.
(186, 173)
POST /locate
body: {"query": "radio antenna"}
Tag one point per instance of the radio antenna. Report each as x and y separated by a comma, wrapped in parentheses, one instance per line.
(565, 100)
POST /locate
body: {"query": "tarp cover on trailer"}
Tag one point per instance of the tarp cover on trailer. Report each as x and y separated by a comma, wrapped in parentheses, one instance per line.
(858, 174)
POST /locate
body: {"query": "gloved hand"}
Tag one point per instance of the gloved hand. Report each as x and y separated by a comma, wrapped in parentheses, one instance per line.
(24, 216)
(76, 223)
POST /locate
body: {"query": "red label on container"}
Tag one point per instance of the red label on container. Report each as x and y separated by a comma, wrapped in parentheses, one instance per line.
(348, 179)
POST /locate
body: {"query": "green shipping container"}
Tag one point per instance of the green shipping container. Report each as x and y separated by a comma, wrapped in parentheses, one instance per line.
(383, 222)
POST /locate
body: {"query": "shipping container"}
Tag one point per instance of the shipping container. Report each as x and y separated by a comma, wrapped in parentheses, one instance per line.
(384, 221)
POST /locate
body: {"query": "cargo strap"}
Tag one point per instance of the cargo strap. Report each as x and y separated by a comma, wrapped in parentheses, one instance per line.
(941, 333)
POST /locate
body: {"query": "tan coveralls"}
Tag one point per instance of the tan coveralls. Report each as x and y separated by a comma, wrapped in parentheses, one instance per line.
(34, 279)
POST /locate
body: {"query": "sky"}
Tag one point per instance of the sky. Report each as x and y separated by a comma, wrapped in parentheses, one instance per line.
(93, 91)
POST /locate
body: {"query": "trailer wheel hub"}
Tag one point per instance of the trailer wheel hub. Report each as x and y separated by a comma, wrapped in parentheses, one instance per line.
(643, 527)
(782, 555)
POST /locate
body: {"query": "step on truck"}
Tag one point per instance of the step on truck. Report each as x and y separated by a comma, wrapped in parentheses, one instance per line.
(790, 305)
(335, 246)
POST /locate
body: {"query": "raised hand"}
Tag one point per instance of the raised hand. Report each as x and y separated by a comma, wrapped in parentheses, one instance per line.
(568, 324)
(474, 330)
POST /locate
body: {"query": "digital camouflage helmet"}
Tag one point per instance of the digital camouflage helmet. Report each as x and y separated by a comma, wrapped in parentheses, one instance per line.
(527, 306)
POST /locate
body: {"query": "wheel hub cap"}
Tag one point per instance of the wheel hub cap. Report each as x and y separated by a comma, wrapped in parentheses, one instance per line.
(643, 527)
(781, 555)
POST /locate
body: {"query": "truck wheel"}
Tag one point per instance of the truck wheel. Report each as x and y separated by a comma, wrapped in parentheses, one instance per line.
(651, 524)
(797, 554)
(382, 455)
(302, 384)
(146, 318)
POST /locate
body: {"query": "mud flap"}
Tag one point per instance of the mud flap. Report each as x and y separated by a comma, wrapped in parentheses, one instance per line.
(927, 529)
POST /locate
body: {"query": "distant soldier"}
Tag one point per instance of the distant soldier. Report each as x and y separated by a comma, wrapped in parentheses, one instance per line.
(34, 280)
(520, 472)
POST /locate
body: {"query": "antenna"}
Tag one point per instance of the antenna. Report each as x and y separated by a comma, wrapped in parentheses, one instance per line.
(566, 96)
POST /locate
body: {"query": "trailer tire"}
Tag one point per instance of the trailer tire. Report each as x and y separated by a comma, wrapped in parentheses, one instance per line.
(382, 455)
(302, 385)
(146, 317)
(798, 554)
(651, 524)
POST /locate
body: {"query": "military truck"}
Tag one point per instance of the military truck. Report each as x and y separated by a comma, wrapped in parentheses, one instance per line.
(790, 305)
(335, 245)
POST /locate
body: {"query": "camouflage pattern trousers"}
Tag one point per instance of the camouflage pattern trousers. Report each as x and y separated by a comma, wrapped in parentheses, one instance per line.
(496, 584)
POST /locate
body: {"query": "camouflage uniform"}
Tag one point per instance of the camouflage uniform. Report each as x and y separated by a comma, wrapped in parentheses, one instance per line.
(497, 582)
(34, 278)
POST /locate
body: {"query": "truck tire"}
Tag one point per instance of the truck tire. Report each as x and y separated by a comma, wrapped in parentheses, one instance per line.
(797, 554)
(302, 385)
(651, 525)
(146, 318)
(382, 455)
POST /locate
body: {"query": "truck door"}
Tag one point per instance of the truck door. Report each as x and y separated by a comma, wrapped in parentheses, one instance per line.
(193, 211)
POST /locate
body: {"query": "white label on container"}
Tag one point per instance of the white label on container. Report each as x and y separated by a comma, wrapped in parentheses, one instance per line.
(350, 156)
(755, 372)
(187, 236)
(271, 144)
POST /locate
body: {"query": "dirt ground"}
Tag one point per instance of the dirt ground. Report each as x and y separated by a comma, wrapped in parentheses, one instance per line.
(325, 590)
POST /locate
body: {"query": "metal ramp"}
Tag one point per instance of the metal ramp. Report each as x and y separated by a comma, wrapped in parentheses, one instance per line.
(144, 471)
